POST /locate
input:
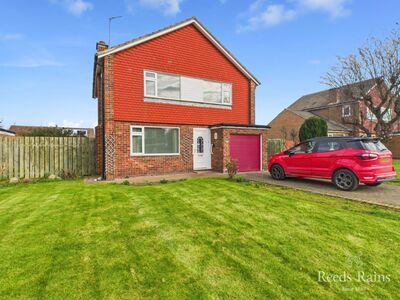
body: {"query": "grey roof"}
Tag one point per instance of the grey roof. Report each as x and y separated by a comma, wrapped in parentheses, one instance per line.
(332, 96)
(24, 129)
(332, 125)
(7, 131)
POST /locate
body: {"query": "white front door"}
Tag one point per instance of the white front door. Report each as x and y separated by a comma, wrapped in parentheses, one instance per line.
(201, 149)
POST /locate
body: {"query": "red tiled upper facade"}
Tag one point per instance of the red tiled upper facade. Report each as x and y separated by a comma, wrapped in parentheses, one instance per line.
(186, 52)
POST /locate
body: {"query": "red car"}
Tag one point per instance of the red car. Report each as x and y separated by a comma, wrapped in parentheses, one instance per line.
(347, 161)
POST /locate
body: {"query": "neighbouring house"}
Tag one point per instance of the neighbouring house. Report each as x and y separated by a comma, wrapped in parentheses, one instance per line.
(5, 132)
(175, 101)
(333, 105)
(21, 130)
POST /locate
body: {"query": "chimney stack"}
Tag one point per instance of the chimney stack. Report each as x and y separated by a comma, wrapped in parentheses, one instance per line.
(101, 46)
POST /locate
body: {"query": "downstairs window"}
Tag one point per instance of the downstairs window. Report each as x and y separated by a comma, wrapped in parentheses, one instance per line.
(154, 140)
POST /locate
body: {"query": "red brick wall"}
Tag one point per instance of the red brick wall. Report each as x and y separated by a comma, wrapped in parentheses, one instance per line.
(127, 165)
(252, 107)
(376, 100)
(288, 120)
(186, 52)
(335, 113)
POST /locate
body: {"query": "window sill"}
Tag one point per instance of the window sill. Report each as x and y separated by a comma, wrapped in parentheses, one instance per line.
(187, 103)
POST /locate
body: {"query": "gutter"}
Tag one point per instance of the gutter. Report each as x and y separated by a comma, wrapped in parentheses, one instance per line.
(238, 126)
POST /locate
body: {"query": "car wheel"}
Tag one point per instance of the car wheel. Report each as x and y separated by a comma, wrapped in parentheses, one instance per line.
(345, 180)
(277, 172)
(374, 184)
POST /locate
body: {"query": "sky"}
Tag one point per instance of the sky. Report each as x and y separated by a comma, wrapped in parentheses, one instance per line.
(47, 47)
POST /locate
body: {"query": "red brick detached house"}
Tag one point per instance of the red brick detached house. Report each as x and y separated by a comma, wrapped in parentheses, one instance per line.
(335, 106)
(175, 101)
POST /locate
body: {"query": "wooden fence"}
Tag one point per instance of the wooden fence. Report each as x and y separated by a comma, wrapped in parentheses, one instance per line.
(275, 146)
(394, 146)
(35, 157)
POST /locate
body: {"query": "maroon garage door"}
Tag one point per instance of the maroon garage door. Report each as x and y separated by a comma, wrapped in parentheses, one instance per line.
(246, 150)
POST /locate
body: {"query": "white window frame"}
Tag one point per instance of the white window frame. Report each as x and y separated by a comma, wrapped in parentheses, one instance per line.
(346, 106)
(180, 86)
(143, 140)
(371, 116)
(155, 79)
(387, 117)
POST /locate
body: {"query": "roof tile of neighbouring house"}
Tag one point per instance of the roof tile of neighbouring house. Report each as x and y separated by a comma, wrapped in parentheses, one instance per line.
(330, 97)
(22, 129)
(332, 125)
(191, 21)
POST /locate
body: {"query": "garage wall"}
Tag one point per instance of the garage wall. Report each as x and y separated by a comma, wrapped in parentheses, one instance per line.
(221, 148)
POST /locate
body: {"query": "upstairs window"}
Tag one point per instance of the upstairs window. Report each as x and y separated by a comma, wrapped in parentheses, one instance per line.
(346, 110)
(168, 86)
(184, 88)
(370, 115)
(150, 84)
(386, 117)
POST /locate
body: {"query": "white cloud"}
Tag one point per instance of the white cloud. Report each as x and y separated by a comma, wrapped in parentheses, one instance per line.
(32, 63)
(168, 7)
(259, 15)
(272, 15)
(67, 123)
(256, 5)
(75, 7)
(130, 5)
(336, 8)
(11, 37)
(275, 14)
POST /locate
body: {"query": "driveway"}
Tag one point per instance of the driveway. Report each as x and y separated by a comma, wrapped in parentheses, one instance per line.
(386, 195)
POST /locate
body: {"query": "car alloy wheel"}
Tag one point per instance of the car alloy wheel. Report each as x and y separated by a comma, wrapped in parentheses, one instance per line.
(345, 180)
(277, 172)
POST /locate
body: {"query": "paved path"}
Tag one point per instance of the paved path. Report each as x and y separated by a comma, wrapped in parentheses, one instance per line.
(385, 194)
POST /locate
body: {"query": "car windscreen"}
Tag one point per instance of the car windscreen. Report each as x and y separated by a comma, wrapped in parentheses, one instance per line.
(373, 145)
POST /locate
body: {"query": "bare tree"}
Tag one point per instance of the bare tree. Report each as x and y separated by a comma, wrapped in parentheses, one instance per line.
(294, 135)
(377, 61)
(284, 133)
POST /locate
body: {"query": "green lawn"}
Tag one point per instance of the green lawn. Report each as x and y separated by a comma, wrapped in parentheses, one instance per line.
(200, 238)
(396, 164)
